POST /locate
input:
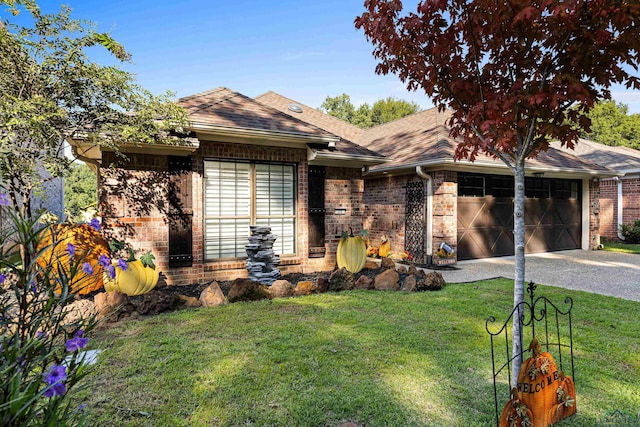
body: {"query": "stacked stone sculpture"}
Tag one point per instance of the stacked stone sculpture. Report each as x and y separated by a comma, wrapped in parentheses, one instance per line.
(262, 263)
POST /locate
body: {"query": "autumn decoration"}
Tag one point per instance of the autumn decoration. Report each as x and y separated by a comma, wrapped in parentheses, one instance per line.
(546, 393)
(352, 252)
(62, 245)
(385, 246)
(133, 277)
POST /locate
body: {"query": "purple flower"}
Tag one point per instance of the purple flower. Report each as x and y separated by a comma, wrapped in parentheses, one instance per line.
(71, 249)
(95, 223)
(104, 261)
(123, 264)
(55, 379)
(34, 289)
(2, 278)
(4, 200)
(77, 342)
(112, 272)
(42, 335)
(87, 268)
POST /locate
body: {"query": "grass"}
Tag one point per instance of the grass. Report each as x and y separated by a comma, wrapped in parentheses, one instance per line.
(374, 358)
(627, 248)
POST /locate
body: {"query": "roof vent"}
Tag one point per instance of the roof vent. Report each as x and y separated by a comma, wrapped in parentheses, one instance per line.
(295, 108)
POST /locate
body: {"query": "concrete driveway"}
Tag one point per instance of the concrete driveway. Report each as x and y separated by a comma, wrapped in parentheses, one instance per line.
(606, 273)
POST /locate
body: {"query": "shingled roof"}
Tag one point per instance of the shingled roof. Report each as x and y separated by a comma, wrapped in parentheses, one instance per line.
(224, 107)
(620, 159)
(423, 139)
(347, 132)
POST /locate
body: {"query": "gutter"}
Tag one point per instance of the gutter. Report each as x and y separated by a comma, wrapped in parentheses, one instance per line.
(362, 160)
(263, 134)
(429, 213)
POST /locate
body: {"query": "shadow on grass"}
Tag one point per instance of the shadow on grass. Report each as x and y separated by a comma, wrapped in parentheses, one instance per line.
(368, 357)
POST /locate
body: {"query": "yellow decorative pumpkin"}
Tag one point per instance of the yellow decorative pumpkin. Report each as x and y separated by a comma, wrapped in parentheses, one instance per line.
(385, 246)
(89, 245)
(137, 279)
(351, 253)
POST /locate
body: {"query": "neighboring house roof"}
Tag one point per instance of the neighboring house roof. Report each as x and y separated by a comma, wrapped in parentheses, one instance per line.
(347, 132)
(621, 159)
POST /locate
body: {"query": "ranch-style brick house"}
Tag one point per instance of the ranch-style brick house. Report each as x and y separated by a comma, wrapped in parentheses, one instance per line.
(309, 176)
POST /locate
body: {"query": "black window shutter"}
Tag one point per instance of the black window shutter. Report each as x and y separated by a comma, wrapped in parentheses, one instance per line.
(181, 214)
(317, 211)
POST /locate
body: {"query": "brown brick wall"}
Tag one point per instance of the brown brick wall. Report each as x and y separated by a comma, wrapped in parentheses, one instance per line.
(445, 208)
(609, 208)
(134, 204)
(384, 206)
(609, 204)
(631, 203)
(344, 189)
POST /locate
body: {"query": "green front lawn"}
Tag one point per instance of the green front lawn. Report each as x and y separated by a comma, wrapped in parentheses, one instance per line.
(628, 248)
(374, 358)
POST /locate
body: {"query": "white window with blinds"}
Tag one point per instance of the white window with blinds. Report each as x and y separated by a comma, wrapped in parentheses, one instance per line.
(238, 194)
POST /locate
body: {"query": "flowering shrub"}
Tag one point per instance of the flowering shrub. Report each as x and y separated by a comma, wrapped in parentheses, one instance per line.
(40, 349)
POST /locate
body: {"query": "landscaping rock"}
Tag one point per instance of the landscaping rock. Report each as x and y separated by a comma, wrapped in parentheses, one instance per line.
(388, 280)
(431, 282)
(322, 284)
(281, 289)
(387, 263)
(364, 282)
(154, 302)
(212, 296)
(183, 301)
(109, 302)
(304, 288)
(79, 310)
(410, 283)
(341, 280)
(247, 290)
(402, 269)
(371, 265)
(413, 270)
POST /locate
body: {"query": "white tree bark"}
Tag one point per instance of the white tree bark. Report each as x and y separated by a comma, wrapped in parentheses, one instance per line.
(518, 286)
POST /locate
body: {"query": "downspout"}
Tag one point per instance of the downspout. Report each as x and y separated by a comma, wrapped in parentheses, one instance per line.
(620, 207)
(429, 216)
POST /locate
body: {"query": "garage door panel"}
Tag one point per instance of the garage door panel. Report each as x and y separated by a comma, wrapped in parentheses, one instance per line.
(485, 224)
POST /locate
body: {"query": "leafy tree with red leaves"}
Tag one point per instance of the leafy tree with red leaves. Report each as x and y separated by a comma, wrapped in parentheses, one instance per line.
(516, 73)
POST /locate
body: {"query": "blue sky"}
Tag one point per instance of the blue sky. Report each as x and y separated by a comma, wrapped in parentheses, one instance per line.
(304, 49)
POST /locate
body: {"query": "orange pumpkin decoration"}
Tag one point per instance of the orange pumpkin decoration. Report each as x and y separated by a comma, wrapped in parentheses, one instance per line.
(89, 245)
(566, 398)
(137, 279)
(538, 384)
(515, 413)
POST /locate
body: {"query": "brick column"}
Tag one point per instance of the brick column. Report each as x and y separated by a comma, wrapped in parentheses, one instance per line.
(445, 209)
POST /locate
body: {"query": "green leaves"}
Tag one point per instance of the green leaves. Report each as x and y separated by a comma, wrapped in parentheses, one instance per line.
(147, 260)
(112, 46)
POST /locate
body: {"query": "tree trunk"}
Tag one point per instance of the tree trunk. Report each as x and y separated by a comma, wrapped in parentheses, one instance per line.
(518, 286)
